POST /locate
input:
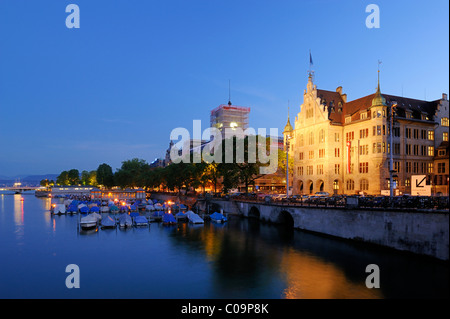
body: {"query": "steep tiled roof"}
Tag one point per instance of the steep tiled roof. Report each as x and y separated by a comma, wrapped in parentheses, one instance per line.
(334, 101)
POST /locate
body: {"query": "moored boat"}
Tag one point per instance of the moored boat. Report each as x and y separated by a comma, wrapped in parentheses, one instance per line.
(140, 221)
(194, 218)
(168, 219)
(89, 221)
(125, 220)
(108, 222)
(218, 217)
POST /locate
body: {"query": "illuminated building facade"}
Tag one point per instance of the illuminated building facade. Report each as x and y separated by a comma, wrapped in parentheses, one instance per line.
(343, 147)
(229, 116)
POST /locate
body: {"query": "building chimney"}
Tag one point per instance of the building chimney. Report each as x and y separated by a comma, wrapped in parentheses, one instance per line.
(444, 96)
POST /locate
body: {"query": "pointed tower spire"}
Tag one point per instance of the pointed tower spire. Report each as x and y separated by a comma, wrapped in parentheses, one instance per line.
(288, 128)
(378, 99)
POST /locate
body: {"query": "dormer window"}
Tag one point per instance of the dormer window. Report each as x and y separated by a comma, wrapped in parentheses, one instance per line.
(348, 119)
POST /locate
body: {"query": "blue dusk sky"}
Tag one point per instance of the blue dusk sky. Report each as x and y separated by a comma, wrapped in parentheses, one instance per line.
(115, 88)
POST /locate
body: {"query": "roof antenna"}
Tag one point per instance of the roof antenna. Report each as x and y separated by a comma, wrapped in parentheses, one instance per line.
(229, 92)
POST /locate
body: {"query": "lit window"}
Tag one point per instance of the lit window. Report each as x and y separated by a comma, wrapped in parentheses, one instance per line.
(431, 135)
(445, 136)
(444, 121)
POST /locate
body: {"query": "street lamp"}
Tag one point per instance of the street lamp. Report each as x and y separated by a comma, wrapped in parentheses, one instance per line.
(287, 165)
(391, 159)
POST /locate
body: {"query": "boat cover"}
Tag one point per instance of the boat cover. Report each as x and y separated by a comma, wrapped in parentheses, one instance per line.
(218, 216)
(84, 209)
(140, 220)
(125, 220)
(168, 218)
(108, 221)
(194, 218)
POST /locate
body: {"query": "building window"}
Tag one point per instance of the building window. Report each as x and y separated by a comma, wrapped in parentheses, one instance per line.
(364, 185)
(408, 149)
(309, 170)
(408, 167)
(364, 133)
(311, 138)
(322, 153)
(337, 168)
(396, 131)
(407, 182)
(300, 156)
(423, 166)
(363, 167)
(321, 136)
(430, 168)
(336, 137)
(416, 133)
(397, 166)
(431, 135)
(350, 185)
(430, 150)
(416, 149)
(423, 134)
(396, 148)
(445, 136)
(350, 136)
(441, 168)
(407, 132)
(320, 169)
(364, 150)
(300, 170)
(311, 155)
(444, 121)
(336, 152)
(415, 167)
(301, 140)
(376, 148)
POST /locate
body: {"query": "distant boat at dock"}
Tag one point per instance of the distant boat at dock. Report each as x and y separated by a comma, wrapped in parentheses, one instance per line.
(194, 218)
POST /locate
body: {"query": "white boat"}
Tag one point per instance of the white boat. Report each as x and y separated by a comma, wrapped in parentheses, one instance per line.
(104, 209)
(125, 220)
(194, 218)
(89, 221)
(59, 209)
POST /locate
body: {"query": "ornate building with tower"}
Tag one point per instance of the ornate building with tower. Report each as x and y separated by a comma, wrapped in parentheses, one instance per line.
(344, 147)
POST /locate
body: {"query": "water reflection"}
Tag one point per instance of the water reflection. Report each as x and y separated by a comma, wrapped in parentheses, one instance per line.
(310, 277)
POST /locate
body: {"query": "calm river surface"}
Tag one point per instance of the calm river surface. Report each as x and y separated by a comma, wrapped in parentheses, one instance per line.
(241, 259)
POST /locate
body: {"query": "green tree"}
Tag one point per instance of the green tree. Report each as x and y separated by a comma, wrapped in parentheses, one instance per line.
(74, 177)
(85, 177)
(132, 173)
(63, 178)
(105, 176)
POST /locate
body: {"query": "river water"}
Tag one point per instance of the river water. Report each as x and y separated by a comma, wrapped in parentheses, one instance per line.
(241, 259)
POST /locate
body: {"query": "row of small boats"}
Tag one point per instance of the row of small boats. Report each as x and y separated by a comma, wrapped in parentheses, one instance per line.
(125, 220)
(75, 206)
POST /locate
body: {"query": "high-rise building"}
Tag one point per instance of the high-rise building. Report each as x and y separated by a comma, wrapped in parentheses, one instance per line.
(229, 116)
(344, 147)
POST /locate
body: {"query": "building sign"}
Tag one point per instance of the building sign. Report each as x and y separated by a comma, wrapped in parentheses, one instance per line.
(419, 186)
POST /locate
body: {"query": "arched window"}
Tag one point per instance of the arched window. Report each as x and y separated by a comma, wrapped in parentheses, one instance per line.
(336, 184)
(350, 184)
(364, 185)
(311, 138)
(321, 136)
